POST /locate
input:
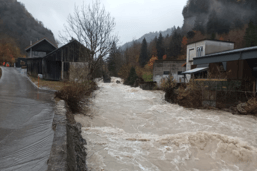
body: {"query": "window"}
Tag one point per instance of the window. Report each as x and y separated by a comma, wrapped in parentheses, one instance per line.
(199, 51)
(191, 54)
(166, 72)
(180, 73)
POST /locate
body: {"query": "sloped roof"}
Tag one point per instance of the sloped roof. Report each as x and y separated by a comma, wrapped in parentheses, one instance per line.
(39, 42)
(195, 70)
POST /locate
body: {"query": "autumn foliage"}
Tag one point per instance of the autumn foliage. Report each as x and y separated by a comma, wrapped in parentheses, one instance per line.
(152, 60)
(9, 50)
(184, 41)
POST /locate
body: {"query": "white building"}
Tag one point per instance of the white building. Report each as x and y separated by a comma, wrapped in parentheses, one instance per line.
(162, 69)
(202, 48)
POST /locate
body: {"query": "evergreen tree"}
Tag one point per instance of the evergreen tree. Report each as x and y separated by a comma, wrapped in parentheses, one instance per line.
(251, 35)
(143, 58)
(111, 60)
(132, 77)
(159, 47)
(175, 45)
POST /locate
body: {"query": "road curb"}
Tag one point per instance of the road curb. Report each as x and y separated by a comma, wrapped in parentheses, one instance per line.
(58, 155)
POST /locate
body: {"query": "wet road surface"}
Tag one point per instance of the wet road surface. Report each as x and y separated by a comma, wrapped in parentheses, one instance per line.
(25, 123)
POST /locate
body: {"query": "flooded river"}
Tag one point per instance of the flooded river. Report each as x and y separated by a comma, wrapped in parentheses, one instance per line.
(132, 129)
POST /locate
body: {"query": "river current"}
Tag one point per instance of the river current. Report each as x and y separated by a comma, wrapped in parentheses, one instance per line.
(133, 129)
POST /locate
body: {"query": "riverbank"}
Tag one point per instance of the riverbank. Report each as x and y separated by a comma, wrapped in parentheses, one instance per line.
(68, 151)
(0, 72)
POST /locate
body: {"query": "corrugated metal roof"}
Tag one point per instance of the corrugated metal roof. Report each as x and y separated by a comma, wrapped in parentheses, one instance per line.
(203, 66)
(195, 70)
(230, 51)
(210, 40)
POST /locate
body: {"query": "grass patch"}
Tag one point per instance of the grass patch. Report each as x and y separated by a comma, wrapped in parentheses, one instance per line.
(53, 85)
(147, 77)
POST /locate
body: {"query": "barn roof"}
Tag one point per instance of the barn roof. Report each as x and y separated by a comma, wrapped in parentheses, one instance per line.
(43, 45)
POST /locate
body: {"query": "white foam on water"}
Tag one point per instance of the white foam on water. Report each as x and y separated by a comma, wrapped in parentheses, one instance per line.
(133, 129)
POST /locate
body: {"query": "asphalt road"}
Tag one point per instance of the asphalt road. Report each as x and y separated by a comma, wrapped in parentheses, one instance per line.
(26, 115)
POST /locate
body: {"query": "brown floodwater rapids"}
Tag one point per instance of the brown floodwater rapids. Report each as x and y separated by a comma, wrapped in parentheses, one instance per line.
(133, 129)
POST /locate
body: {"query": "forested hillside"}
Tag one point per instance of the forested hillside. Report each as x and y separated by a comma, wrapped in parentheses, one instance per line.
(19, 25)
(148, 37)
(226, 20)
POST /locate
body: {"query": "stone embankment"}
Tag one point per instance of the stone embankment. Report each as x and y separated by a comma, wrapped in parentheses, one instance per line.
(0, 73)
(68, 151)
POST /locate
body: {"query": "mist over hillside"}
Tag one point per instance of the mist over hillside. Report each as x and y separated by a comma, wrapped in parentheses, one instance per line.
(149, 37)
(17, 23)
(211, 17)
(218, 16)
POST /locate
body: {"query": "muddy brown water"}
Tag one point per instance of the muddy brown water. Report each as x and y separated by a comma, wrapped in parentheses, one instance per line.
(133, 129)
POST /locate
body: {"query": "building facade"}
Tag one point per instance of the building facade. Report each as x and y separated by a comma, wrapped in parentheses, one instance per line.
(202, 48)
(162, 69)
(56, 63)
(232, 76)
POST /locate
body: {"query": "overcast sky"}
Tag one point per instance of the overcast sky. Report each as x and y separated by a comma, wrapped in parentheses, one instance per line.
(133, 18)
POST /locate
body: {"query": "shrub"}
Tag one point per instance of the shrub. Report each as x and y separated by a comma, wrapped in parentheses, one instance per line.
(191, 95)
(168, 85)
(74, 94)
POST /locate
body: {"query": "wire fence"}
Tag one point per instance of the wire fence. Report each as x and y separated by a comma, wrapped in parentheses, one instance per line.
(226, 93)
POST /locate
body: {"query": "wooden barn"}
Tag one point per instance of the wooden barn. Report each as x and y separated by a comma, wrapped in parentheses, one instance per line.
(54, 63)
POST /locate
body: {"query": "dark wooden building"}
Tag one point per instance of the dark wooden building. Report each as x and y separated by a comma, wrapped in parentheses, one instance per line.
(56, 63)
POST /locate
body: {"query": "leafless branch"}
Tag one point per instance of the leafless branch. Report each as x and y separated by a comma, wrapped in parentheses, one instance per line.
(93, 27)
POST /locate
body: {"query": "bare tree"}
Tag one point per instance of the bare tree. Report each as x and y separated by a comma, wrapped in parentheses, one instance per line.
(93, 27)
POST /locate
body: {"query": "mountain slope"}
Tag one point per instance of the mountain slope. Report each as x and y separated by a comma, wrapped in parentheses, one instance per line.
(16, 22)
(148, 37)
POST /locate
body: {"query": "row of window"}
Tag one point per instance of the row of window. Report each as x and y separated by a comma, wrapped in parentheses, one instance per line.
(168, 72)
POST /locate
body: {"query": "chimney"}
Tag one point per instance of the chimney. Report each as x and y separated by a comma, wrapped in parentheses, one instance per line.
(30, 43)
